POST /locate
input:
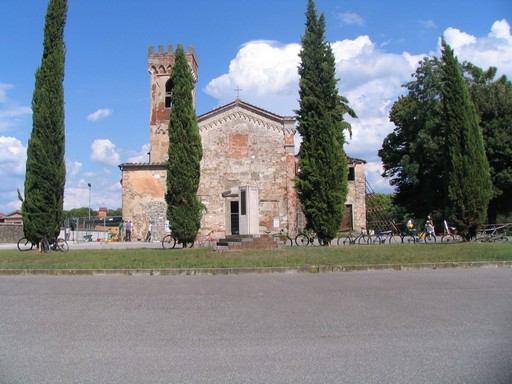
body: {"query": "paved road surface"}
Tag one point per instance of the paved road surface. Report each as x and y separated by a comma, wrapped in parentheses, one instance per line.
(429, 326)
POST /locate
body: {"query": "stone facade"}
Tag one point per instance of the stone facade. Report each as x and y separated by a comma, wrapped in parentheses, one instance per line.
(245, 148)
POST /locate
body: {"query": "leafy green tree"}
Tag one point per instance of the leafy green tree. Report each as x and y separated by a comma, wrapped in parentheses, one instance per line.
(468, 182)
(185, 152)
(493, 101)
(413, 155)
(45, 168)
(323, 171)
(80, 212)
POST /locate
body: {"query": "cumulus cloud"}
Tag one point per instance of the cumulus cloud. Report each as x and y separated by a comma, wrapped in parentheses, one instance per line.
(266, 72)
(105, 152)
(495, 49)
(351, 18)
(99, 114)
(370, 78)
(13, 156)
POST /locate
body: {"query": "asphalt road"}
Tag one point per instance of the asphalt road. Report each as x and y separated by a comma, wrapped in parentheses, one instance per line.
(427, 326)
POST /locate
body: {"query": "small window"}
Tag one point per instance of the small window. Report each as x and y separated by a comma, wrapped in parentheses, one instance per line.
(168, 94)
(351, 173)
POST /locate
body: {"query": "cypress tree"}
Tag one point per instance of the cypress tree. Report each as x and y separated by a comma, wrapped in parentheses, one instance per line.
(468, 179)
(322, 180)
(45, 176)
(185, 152)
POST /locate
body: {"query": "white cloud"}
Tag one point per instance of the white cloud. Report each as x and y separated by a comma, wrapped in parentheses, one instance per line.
(13, 156)
(495, 49)
(99, 114)
(351, 18)
(105, 152)
(370, 78)
(267, 74)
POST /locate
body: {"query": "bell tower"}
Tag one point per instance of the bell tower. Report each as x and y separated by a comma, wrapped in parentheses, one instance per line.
(160, 66)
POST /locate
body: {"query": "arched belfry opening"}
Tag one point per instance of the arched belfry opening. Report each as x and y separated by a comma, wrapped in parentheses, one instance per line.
(168, 101)
(160, 96)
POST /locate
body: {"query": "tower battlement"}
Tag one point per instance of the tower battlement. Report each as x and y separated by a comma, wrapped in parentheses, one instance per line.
(161, 60)
(169, 52)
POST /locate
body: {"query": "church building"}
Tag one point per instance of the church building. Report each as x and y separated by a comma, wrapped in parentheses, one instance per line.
(247, 171)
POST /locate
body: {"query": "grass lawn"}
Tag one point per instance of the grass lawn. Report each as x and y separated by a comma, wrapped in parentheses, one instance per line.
(287, 257)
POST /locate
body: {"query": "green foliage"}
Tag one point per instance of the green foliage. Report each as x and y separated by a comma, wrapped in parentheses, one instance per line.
(45, 167)
(323, 171)
(185, 152)
(468, 186)
(413, 155)
(493, 101)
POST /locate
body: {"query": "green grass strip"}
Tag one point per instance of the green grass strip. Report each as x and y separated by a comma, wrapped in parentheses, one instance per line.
(287, 257)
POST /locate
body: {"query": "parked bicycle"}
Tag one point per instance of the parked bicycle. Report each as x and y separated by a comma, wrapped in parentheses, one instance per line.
(282, 236)
(48, 245)
(384, 237)
(171, 242)
(493, 233)
(25, 244)
(305, 238)
(350, 239)
(203, 240)
(450, 234)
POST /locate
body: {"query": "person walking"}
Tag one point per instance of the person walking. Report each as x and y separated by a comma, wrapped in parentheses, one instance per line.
(148, 235)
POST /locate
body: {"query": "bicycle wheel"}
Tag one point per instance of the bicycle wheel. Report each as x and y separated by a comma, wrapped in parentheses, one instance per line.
(45, 245)
(364, 240)
(429, 238)
(168, 242)
(62, 245)
(448, 239)
(345, 240)
(375, 240)
(24, 244)
(408, 239)
(394, 239)
(301, 240)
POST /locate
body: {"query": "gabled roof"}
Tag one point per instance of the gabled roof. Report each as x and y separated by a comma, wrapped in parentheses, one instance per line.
(243, 105)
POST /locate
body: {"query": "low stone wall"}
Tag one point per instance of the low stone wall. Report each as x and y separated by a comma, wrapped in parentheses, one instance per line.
(10, 233)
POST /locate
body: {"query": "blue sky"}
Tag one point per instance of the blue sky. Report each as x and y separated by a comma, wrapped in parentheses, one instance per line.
(248, 44)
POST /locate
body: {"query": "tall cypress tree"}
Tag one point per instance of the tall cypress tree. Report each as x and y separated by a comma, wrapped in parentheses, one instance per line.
(185, 152)
(322, 179)
(45, 168)
(467, 169)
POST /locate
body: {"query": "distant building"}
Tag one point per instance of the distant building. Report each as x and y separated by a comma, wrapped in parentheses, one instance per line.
(248, 168)
(12, 218)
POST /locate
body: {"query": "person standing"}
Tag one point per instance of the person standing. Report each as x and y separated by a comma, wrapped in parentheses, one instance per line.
(120, 231)
(429, 226)
(128, 229)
